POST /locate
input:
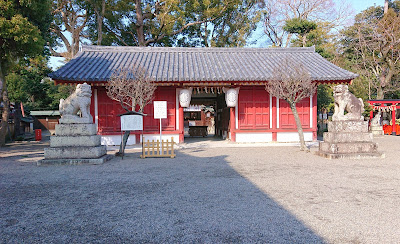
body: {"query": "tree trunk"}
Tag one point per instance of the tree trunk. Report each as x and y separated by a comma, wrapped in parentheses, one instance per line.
(299, 126)
(17, 121)
(6, 108)
(386, 7)
(304, 40)
(140, 24)
(100, 18)
(379, 93)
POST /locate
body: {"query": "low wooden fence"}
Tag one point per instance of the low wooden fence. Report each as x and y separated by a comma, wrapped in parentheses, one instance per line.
(155, 149)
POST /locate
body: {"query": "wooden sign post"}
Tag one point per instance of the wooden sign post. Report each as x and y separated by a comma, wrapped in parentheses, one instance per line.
(160, 112)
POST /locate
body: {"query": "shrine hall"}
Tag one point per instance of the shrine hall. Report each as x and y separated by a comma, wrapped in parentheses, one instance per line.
(209, 91)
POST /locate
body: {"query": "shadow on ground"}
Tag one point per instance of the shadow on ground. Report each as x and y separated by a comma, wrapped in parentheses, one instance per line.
(184, 200)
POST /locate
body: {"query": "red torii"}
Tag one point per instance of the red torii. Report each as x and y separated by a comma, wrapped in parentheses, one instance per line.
(380, 106)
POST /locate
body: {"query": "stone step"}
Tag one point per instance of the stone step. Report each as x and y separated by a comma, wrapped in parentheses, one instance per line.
(75, 141)
(336, 137)
(351, 155)
(348, 147)
(74, 161)
(76, 129)
(348, 126)
(74, 152)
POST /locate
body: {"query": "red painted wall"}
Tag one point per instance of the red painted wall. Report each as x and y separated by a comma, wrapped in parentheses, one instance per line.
(109, 122)
(286, 119)
(253, 108)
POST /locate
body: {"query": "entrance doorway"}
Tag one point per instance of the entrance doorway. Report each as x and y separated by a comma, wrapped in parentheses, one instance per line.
(207, 117)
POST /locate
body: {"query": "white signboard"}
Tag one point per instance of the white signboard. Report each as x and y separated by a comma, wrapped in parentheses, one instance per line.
(160, 109)
(131, 122)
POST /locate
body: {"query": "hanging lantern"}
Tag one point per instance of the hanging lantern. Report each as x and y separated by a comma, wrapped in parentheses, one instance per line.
(185, 95)
(231, 96)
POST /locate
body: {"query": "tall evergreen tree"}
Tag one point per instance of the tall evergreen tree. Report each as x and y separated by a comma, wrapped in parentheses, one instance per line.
(23, 31)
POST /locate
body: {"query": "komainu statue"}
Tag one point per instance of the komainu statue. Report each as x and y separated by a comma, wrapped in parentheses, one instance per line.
(78, 101)
(346, 101)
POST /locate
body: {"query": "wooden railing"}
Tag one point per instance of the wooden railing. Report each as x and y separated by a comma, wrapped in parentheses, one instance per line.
(155, 149)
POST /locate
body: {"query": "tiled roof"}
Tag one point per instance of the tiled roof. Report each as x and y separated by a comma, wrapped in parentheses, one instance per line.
(179, 64)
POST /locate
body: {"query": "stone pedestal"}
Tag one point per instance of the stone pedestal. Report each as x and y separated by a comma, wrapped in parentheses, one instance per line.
(348, 139)
(377, 130)
(75, 144)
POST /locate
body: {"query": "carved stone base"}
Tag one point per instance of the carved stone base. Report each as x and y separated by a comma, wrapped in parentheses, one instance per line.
(75, 141)
(76, 129)
(377, 130)
(74, 152)
(75, 161)
(348, 139)
(351, 155)
(74, 119)
(75, 144)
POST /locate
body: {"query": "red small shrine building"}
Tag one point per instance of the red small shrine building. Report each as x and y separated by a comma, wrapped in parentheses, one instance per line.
(208, 73)
(388, 105)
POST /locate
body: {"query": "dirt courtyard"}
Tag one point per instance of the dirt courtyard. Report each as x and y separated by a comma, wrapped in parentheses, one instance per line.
(271, 194)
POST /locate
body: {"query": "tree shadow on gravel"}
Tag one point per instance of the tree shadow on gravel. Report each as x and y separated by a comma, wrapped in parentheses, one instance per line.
(188, 199)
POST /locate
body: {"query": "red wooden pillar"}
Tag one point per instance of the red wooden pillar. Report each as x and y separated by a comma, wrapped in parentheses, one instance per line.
(393, 120)
(181, 126)
(232, 126)
(371, 115)
(274, 118)
(315, 116)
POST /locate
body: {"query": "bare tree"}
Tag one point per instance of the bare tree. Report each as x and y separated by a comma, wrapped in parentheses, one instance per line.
(292, 82)
(279, 11)
(133, 89)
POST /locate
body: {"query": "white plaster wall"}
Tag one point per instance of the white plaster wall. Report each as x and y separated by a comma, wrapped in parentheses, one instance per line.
(253, 137)
(156, 137)
(114, 140)
(293, 136)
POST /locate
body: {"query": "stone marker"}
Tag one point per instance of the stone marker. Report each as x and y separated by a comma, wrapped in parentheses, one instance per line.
(76, 140)
(348, 135)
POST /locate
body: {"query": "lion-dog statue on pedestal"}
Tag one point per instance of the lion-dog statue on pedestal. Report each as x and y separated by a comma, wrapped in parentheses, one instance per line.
(346, 101)
(78, 101)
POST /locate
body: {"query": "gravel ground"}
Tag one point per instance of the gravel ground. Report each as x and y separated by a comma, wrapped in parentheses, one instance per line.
(205, 195)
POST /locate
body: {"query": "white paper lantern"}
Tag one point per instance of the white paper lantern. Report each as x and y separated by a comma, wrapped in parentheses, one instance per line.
(231, 96)
(185, 95)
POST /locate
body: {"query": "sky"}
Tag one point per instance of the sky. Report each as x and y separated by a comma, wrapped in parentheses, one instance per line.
(358, 6)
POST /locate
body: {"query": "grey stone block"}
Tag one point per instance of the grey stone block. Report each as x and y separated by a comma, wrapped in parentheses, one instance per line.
(71, 119)
(351, 155)
(75, 141)
(78, 161)
(74, 152)
(76, 129)
(336, 137)
(348, 126)
(348, 147)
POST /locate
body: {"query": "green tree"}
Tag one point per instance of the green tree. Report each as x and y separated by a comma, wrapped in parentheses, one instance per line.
(301, 27)
(372, 45)
(173, 22)
(27, 84)
(70, 16)
(20, 37)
